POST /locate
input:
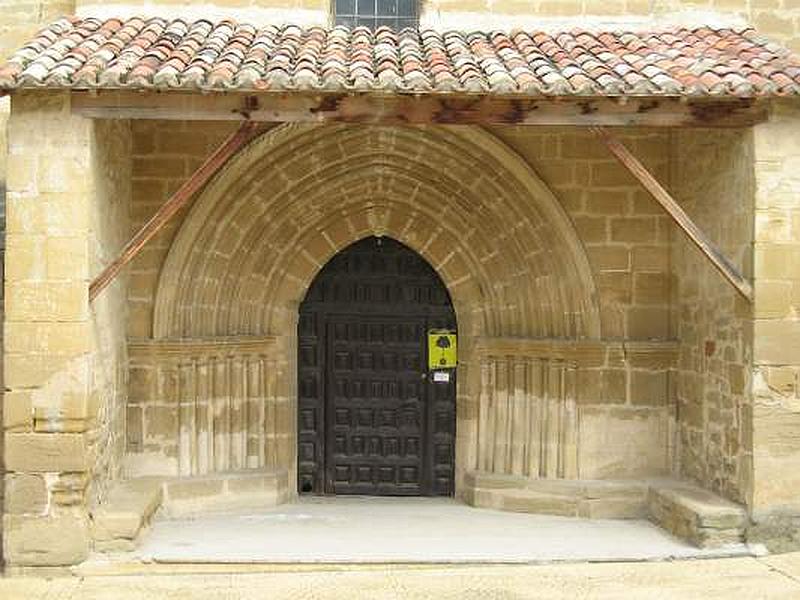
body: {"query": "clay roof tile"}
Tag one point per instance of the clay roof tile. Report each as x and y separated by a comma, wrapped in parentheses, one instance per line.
(159, 53)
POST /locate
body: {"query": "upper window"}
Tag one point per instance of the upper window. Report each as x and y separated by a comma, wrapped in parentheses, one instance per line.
(375, 13)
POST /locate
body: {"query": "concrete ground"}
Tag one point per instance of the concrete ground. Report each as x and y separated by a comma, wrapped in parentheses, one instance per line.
(773, 577)
(430, 548)
(405, 530)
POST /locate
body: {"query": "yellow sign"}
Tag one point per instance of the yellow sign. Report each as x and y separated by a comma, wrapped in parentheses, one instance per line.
(442, 349)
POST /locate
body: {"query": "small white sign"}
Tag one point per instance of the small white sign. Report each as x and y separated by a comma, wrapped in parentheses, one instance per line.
(441, 376)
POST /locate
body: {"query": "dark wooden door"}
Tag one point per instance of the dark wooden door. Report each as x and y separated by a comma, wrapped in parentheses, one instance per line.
(370, 419)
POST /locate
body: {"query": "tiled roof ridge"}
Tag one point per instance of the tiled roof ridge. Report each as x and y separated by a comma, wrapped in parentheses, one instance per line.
(226, 54)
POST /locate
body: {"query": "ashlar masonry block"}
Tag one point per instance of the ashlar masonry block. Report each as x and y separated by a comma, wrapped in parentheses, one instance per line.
(46, 452)
(46, 541)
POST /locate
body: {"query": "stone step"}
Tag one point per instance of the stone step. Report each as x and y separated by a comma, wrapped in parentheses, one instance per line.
(130, 505)
(588, 488)
(574, 498)
(695, 514)
(225, 491)
(119, 521)
(684, 509)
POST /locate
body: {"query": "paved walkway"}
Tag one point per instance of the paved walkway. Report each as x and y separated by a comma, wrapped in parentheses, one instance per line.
(775, 577)
(406, 530)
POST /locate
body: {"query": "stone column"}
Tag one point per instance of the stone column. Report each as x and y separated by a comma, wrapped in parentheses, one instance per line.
(55, 413)
(776, 331)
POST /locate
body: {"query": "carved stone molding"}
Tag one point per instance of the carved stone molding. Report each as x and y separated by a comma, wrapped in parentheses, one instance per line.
(196, 348)
(213, 405)
(655, 354)
(528, 421)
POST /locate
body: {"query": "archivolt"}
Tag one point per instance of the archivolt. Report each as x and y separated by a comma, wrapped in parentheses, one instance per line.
(285, 205)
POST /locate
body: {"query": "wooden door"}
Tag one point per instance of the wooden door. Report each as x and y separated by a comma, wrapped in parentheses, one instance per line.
(370, 419)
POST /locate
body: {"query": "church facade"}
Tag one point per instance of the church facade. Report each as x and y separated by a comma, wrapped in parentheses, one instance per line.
(239, 239)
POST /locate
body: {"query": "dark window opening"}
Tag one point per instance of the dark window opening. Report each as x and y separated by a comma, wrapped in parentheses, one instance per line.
(396, 14)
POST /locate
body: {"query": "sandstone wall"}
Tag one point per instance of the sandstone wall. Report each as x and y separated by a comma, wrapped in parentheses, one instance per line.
(624, 403)
(623, 230)
(776, 346)
(110, 231)
(712, 178)
(65, 361)
(778, 19)
(626, 236)
(165, 153)
(18, 20)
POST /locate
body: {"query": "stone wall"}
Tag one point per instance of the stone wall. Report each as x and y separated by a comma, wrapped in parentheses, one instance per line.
(164, 154)
(65, 361)
(712, 179)
(109, 232)
(776, 345)
(18, 21)
(777, 19)
(544, 412)
(626, 236)
(624, 232)
(206, 406)
(624, 404)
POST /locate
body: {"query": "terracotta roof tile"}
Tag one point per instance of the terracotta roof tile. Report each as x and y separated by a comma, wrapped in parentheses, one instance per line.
(75, 53)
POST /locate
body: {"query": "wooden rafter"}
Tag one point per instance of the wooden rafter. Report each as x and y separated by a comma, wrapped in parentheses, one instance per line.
(423, 109)
(237, 140)
(668, 203)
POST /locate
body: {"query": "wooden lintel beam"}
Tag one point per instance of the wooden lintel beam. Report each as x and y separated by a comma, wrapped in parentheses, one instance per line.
(668, 203)
(423, 109)
(237, 140)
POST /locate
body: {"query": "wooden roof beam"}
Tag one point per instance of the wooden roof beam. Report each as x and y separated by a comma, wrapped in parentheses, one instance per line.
(711, 251)
(423, 109)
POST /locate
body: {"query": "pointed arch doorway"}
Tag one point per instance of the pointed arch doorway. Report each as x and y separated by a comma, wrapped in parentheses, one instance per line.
(371, 420)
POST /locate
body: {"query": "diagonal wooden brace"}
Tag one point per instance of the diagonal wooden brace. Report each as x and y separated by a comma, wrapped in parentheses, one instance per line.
(668, 203)
(212, 165)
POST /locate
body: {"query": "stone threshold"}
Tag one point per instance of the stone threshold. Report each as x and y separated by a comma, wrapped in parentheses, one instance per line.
(124, 565)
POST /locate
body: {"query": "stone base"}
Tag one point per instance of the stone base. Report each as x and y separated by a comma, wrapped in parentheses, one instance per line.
(225, 491)
(696, 515)
(46, 541)
(685, 510)
(118, 523)
(561, 497)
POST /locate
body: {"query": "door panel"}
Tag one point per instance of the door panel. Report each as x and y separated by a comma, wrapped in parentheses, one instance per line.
(379, 414)
(370, 421)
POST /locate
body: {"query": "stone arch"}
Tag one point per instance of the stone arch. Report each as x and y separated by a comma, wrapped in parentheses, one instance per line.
(260, 232)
